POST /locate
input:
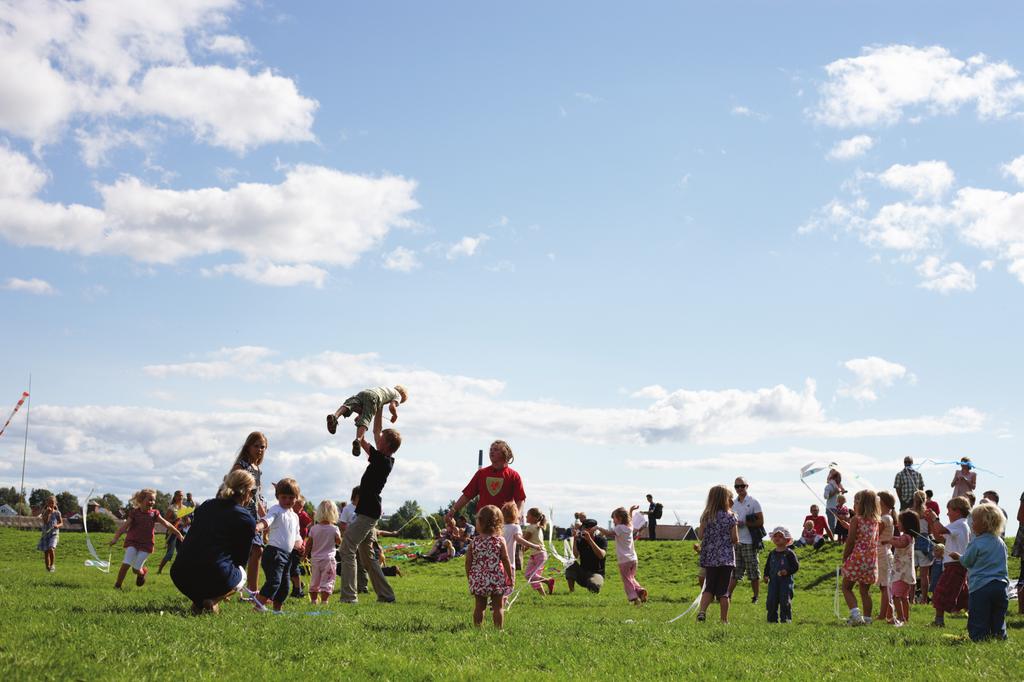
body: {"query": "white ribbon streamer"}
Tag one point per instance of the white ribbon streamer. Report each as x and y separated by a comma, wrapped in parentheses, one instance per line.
(95, 562)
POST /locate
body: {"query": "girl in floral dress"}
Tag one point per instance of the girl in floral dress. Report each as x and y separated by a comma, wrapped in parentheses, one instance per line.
(718, 535)
(487, 566)
(860, 556)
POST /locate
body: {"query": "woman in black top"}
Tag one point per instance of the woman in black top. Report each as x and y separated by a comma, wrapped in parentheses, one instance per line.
(209, 569)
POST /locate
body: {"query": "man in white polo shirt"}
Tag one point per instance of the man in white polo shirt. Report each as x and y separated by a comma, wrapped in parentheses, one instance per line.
(747, 552)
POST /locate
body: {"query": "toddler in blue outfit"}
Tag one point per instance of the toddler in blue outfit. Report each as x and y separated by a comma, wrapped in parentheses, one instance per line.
(778, 571)
(987, 574)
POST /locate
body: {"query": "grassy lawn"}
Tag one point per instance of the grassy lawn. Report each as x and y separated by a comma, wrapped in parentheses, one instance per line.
(72, 624)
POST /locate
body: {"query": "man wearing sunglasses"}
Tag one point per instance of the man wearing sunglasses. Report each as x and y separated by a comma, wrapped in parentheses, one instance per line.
(748, 511)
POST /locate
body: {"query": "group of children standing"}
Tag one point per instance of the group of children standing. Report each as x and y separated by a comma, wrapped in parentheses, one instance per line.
(974, 574)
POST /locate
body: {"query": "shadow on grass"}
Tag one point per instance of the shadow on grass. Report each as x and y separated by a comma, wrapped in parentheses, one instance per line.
(171, 609)
(823, 578)
(59, 584)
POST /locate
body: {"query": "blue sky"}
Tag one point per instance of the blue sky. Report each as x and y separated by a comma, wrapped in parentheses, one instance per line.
(622, 239)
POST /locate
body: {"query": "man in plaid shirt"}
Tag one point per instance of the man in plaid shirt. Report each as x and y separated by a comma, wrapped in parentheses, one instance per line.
(908, 481)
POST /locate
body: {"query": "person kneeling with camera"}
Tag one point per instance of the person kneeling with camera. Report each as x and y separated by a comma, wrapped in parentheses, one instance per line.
(589, 549)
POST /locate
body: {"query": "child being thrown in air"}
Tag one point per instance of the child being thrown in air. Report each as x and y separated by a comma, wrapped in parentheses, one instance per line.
(366, 404)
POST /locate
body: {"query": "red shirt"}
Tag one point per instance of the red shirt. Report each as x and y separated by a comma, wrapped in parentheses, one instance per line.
(934, 506)
(140, 535)
(495, 487)
(820, 523)
(304, 521)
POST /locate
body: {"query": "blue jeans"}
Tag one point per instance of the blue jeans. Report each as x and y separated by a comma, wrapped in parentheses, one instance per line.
(275, 574)
(986, 616)
(172, 544)
(780, 599)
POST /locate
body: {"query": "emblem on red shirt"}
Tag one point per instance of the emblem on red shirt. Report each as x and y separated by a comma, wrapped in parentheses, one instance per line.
(494, 485)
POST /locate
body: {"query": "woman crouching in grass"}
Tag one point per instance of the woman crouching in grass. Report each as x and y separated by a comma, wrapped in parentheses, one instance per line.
(208, 569)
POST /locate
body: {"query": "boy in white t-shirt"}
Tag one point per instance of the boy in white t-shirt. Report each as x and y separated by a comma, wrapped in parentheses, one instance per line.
(284, 537)
(951, 592)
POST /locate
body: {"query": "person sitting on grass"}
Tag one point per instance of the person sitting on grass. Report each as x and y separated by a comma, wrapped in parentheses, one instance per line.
(821, 526)
(987, 574)
(860, 556)
(140, 536)
(951, 592)
(589, 550)
(719, 535)
(488, 568)
(778, 572)
(209, 565)
(810, 537)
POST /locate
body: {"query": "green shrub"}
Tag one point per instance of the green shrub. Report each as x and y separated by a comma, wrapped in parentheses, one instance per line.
(101, 523)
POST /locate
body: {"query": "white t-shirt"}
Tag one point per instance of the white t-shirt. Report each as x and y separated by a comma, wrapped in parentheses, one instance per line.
(624, 550)
(510, 531)
(348, 514)
(957, 539)
(284, 528)
(742, 509)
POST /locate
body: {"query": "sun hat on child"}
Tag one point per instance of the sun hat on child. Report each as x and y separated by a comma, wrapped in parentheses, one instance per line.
(783, 531)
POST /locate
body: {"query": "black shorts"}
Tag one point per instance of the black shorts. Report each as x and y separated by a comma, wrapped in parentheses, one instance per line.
(716, 580)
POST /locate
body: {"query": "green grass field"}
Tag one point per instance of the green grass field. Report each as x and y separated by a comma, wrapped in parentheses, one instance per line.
(72, 624)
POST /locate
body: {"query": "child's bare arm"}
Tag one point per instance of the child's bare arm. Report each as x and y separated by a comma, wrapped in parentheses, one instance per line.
(393, 406)
(377, 429)
(851, 539)
(122, 530)
(526, 543)
(507, 565)
(735, 535)
(170, 526)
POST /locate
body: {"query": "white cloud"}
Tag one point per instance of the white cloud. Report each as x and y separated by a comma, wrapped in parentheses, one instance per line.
(885, 82)
(467, 246)
(239, 361)
(315, 216)
(747, 112)
(229, 107)
(262, 272)
(871, 375)
(924, 180)
(34, 285)
(447, 406)
(588, 98)
(236, 46)
(401, 260)
(987, 219)
(104, 62)
(95, 144)
(1015, 169)
(851, 148)
(945, 277)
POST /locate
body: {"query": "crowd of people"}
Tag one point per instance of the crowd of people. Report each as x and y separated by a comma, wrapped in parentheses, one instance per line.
(895, 541)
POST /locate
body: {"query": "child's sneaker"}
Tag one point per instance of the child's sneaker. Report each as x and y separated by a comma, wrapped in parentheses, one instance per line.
(332, 424)
(867, 620)
(355, 448)
(140, 579)
(701, 617)
(277, 612)
(855, 620)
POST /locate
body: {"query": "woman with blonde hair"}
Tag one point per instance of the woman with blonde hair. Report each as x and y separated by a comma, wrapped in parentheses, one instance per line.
(208, 569)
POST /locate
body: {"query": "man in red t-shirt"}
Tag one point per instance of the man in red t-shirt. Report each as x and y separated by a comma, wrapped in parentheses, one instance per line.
(820, 523)
(495, 484)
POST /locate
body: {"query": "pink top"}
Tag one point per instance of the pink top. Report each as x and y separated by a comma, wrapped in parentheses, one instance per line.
(963, 483)
(324, 536)
(140, 535)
